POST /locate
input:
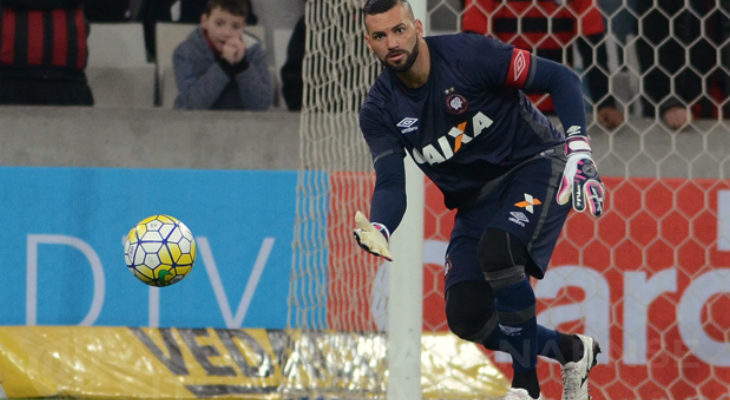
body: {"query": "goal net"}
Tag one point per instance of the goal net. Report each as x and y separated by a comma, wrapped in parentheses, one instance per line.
(650, 279)
(328, 297)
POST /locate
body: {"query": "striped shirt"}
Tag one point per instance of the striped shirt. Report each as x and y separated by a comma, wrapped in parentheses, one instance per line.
(44, 38)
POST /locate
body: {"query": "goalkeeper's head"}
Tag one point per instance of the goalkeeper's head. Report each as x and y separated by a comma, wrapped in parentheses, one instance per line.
(373, 7)
(393, 33)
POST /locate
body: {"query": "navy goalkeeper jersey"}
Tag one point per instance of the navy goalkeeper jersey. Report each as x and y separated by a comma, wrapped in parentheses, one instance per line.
(470, 122)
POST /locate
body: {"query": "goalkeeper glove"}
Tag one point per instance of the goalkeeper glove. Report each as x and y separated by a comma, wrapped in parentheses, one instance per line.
(372, 237)
(580, 179)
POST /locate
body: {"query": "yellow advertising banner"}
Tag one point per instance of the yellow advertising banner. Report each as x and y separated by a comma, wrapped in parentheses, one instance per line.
(176, 363)
(99, 362)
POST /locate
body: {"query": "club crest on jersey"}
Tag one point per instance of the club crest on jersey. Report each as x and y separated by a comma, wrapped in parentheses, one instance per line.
(456, 104)
(406, 125)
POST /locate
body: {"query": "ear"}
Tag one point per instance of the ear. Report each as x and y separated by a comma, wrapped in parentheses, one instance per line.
(204, 20)
(419, 28)
(367, 42)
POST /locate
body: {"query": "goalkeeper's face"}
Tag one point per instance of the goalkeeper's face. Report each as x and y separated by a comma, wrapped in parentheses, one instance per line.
(393, 36)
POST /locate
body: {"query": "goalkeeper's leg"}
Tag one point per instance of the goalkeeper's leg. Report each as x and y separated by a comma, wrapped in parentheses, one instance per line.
(470, 314)
(508, 234)
(470, 309)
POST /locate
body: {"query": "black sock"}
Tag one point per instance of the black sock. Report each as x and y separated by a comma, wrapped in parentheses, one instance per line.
(570, 347)
(527, 380)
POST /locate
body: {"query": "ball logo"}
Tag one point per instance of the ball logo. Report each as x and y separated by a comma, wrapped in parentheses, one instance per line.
(456, 104)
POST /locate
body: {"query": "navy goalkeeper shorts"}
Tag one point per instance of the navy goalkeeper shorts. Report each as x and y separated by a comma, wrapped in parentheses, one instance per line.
(521, 202)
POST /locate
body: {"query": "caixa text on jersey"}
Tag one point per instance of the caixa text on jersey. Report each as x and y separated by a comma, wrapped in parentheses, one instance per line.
(431, 153)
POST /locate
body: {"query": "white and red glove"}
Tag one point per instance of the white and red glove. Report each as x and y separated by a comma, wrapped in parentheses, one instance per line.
(580, 179)
(372, 237)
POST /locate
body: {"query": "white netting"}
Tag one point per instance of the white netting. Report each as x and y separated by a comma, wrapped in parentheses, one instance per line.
(329, 280)
(650, 279)
(337, 75)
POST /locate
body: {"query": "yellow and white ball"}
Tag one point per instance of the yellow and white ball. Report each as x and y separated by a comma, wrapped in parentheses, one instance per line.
(160, 250)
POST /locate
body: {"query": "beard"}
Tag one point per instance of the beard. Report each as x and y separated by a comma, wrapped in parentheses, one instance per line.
(406, 65)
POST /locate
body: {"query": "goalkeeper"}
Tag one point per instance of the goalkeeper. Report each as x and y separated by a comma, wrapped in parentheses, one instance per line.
(455, 104)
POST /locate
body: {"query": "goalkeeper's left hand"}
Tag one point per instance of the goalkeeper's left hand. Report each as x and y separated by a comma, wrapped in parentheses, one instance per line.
(580, 179)
(370, 237)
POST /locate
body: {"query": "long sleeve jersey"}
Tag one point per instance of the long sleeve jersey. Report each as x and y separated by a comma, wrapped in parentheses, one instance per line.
(469, 124)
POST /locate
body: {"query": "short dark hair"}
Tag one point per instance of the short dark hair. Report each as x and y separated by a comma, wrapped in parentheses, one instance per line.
(235, 7)
(373, 7)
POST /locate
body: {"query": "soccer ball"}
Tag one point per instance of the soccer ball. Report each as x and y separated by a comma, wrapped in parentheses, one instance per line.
(160, 250)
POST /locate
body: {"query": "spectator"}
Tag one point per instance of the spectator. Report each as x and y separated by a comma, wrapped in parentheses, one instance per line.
(218, 66)
(547, 28)
(183, 11)
(675, 87)
(291, 72)
(43, 53)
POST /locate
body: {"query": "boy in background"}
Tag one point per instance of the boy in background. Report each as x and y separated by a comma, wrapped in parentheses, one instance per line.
(219, 66)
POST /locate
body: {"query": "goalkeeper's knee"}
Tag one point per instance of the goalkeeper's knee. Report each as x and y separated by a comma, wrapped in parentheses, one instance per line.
(503, 258)
(470, 310)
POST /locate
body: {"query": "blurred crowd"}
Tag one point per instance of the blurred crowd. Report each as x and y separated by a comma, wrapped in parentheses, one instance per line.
(44, 51)
(681, 55)
(677, 51)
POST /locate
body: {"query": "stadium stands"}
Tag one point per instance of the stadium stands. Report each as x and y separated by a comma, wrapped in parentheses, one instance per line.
(118, 71)
(168, 36)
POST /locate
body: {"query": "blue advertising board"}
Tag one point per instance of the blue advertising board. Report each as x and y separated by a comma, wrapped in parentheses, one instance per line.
(63, 257)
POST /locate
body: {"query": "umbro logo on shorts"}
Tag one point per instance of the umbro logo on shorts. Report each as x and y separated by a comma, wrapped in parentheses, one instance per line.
(519, 218)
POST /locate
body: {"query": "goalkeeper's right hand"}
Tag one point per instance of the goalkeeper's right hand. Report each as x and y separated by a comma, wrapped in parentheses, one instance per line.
(371, 238)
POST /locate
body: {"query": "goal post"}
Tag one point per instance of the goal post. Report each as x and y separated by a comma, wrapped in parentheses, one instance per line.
(405, 295)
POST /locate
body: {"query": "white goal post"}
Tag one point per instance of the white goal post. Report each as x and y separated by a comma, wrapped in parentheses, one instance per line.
(405, 295)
